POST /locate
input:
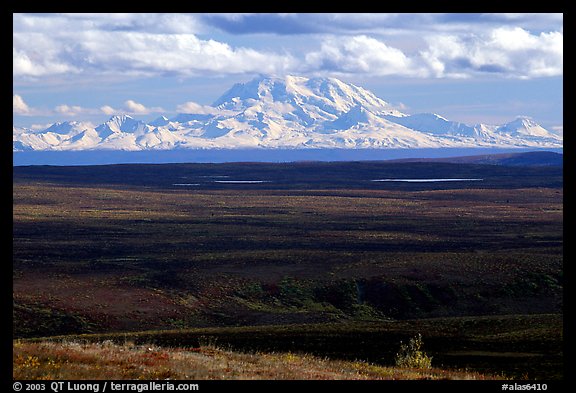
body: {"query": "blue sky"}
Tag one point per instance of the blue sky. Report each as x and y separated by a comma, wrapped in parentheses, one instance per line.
(471, 68)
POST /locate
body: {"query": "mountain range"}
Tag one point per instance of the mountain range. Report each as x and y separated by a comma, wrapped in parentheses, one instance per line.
(287, 112)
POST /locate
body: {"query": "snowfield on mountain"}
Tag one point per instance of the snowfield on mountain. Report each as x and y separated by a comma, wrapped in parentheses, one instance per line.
(287, 112)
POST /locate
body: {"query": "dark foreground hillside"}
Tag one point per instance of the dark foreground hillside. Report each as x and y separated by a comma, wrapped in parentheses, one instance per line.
(129, 248)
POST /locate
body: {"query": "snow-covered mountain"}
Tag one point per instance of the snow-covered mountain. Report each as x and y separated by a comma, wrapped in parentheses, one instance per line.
(287, 112)
(435, 124)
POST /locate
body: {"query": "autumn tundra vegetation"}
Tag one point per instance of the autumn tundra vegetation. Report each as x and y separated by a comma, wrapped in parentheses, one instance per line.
(302, 271)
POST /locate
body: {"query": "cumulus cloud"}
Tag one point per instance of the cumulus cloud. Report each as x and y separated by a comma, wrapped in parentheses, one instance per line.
(512, 52)
(18, 105)
(180, 54)
(380, 44)
(108, 110)
(121, 44)
(130, 107)
(361, 54)
(135, 107)
(69, 110)
(509, 52)
(21, 108)
(34, 55)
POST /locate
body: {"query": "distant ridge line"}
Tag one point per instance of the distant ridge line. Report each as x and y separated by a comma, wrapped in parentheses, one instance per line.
(534, 158)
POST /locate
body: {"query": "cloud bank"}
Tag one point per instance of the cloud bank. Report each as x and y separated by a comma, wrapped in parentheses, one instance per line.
(405, 45)
(512, 52)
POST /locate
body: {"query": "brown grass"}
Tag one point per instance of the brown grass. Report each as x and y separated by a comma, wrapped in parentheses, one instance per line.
(105, 360)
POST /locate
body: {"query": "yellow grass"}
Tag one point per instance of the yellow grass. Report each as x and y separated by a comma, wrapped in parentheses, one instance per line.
(106, 360)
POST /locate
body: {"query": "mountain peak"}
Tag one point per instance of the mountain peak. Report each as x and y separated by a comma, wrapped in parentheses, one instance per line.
(524, 126)
(525, 121)
(356, 116)
(121, 123)
(328, 97)
(159, 121)
(65, 127)
(288, 112)
(120, 118)
(434, 124)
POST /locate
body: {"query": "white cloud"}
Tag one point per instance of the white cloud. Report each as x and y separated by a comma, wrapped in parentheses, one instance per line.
(504, 51)
(175, 53)
(361, 54)
(18, 105)
(511, 52)
(35, 56)
(136, 108)
(21, 108)
(108, 110)
(413, 45)
(70, 110)
(130, 107)
(125, 45)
